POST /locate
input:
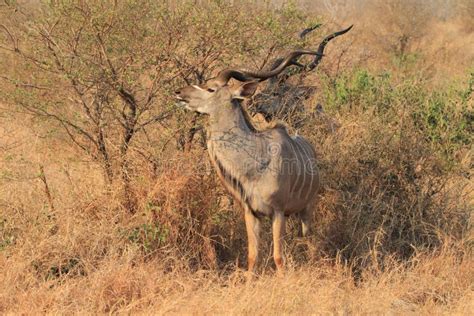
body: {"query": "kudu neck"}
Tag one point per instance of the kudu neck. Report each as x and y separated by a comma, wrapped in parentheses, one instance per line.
(232, 118)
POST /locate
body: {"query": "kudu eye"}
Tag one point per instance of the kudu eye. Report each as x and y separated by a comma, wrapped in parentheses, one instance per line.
(211, 90)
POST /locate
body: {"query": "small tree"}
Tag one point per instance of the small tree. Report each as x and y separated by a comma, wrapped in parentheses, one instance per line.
(402, 23)
(99, 70)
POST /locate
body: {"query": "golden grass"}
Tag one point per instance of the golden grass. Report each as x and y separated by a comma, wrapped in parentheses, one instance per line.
(439, 284)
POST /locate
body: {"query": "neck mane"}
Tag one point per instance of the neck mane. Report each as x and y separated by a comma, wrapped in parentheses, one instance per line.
(248, 121)
(245, 116)
(231, 117)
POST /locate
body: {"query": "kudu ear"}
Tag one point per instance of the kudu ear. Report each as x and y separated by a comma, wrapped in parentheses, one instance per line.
(245, 90)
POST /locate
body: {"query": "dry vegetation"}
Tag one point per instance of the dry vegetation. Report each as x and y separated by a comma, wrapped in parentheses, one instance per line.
(108, 202)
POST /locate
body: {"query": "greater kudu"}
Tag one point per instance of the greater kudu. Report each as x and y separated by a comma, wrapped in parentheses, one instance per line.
(269, 172)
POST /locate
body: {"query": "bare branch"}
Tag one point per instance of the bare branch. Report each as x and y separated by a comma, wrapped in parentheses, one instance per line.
(270, 52)
(104, 53)
(155, 119)
(43, 112)
(18, 83)
(12, 38)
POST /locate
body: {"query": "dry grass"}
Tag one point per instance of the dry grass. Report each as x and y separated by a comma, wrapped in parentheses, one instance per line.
(440, 284)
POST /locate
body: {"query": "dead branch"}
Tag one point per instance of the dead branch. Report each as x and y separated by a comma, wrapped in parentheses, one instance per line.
(47, 191)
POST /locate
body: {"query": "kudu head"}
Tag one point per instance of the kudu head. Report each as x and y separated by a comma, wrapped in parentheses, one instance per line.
(208, 97)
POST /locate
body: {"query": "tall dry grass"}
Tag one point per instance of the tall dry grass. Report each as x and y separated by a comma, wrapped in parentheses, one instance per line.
(438, 284)
(392, 230)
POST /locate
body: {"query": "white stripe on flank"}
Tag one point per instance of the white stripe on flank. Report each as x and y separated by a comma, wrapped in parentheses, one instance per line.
(310, 163)
(302, 165)
(293, 186)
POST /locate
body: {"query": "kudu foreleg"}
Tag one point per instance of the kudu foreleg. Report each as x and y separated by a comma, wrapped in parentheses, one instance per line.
(253, 225)
(278, 227)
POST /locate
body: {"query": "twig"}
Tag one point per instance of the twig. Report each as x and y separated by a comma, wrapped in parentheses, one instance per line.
(47, 191)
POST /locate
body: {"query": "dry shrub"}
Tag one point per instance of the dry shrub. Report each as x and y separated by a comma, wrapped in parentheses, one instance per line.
(185, 202)
(390, 183)
(386, 194)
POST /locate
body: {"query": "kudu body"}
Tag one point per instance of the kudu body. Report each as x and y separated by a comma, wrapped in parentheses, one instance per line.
(269, 172)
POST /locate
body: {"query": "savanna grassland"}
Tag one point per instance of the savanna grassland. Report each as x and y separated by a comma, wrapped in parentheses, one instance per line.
(108, 203)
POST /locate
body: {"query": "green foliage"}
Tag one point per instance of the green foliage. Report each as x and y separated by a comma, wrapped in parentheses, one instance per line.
(360, 90)
(467, 94)
(406, 61)
(148, 236)
(446, 120)
(442, 116)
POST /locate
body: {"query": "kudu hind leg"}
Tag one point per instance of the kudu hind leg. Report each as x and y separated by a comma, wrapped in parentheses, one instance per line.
(253, 225)
(305, 218)
(278, 227)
